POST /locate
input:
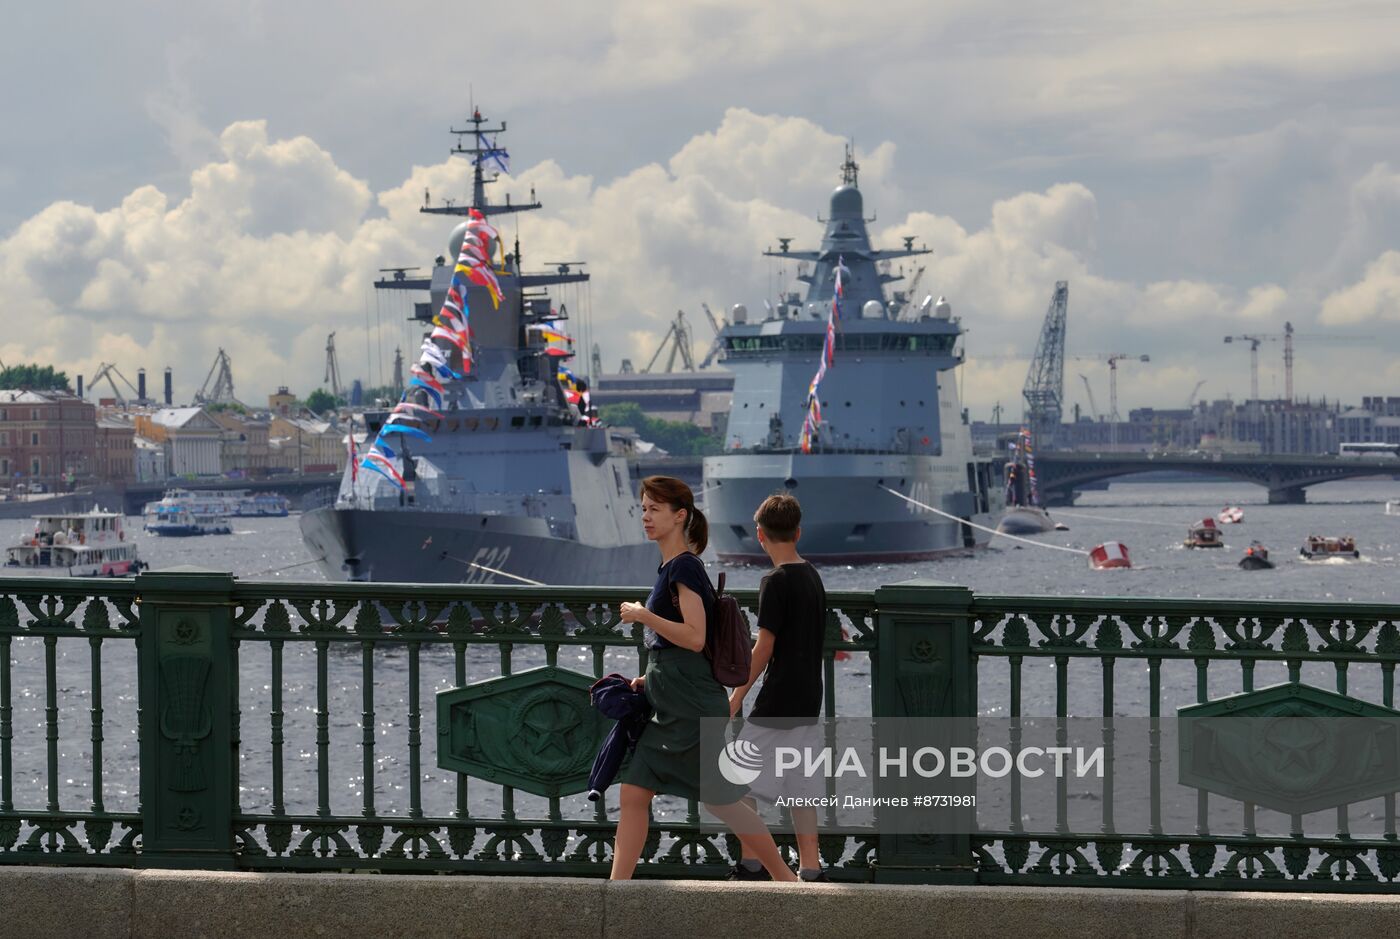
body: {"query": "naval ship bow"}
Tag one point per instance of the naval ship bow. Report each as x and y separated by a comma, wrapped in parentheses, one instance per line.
(890, 421)
(515, 485)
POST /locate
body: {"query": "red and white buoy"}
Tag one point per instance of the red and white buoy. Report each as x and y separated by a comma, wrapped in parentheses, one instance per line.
(1109, 555)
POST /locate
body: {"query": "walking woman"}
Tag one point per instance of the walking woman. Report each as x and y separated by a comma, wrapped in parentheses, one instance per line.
(680, 686)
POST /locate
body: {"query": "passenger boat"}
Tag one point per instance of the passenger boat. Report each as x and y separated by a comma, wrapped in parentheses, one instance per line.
(1230, 515)
(245, 504)
(1204, 534)
(1327, 546)
(1256, 558)
(182, 513)
(1392, 507)
(89, 544)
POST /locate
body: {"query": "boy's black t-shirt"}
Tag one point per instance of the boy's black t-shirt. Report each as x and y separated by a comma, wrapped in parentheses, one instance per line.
(792, 606)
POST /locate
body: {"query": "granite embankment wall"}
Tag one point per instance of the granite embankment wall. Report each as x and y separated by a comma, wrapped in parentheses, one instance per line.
(37, 903)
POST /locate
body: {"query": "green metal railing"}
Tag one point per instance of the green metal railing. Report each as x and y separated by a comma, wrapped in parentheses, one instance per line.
(252, 698)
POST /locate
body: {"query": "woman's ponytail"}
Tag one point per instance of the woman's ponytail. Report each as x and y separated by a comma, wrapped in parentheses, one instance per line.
(697, 529)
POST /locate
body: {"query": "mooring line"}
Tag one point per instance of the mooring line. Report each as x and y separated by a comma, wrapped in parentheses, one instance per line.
(523, 580)
(963, 521)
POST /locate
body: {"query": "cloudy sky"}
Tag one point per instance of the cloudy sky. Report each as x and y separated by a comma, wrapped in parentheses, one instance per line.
(175, 180)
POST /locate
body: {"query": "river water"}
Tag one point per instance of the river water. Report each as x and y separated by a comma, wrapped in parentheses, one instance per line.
(1150, 518)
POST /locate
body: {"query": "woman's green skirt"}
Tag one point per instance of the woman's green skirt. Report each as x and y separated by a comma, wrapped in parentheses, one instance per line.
(682, 690)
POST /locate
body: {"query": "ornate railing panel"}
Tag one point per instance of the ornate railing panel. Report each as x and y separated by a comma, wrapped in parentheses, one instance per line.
(190, 719)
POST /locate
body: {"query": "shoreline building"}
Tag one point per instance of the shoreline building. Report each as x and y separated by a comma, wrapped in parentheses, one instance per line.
(190, 437)
(47, 438)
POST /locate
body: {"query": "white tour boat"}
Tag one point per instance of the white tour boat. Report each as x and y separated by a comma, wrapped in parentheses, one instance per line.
(87, 544)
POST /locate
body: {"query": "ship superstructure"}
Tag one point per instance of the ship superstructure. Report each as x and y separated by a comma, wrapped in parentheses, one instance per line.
(515, 485)
(890, 419)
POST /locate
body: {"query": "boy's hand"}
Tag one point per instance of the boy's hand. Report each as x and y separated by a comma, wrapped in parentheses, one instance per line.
(736, 704)
(631, 612)
(639, 683)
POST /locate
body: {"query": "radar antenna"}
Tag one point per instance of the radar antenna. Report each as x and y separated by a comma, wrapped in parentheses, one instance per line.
(850, 169)
(481, 144)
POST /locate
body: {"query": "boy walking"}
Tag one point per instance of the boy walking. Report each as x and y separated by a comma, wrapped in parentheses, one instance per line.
(788, 654)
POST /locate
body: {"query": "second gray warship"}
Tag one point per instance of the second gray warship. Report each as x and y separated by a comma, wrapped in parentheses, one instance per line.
(515, 484)
(892, 443)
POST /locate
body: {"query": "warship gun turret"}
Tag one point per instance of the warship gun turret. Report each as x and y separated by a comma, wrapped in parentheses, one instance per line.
(515, 484)
(885, 469)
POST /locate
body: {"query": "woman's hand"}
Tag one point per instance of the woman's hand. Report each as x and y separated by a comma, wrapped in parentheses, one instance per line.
(639, 683)
(633, 612)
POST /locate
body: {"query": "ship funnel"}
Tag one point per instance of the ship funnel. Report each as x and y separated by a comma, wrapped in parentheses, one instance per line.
(873, 310)
(739, 314)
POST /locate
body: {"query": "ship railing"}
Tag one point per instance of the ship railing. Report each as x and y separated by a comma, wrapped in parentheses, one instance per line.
(190, 718)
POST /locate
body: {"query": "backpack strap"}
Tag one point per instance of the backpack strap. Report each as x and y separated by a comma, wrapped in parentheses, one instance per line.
(720, 589)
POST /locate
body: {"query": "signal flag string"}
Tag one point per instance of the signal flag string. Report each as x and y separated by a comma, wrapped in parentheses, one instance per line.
(963, 521)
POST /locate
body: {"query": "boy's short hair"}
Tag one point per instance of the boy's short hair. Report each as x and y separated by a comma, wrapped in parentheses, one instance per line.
(779, 516)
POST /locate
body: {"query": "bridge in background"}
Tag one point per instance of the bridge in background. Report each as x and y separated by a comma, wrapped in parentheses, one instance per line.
(1286, 477)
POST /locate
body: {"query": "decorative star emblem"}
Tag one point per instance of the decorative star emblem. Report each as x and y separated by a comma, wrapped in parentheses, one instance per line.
(548, 725)
(1295, 745)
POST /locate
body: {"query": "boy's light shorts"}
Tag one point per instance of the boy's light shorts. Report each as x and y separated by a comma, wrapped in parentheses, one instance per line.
(794, 781)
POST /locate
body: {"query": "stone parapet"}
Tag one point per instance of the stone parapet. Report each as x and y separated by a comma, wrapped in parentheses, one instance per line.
(40, 902)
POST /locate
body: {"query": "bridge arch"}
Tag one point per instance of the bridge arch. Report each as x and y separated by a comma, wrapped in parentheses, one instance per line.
(1285, 477)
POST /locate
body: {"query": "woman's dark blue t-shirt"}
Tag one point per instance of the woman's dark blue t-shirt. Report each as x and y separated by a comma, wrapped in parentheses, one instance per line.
(684, 568)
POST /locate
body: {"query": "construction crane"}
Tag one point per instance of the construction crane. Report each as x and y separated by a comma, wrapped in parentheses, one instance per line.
(1113, 358)
(105, 370)
(717, 346)
(398, 372)
(1191, 401)
(1089, 389)
(1045, 381)
(221, 377)
(332, 367)
(678, 338)
(1287, 336)
(1254, 343)
(597, 363)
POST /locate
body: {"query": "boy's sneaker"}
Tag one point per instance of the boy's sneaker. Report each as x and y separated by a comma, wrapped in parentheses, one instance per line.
(740, 872)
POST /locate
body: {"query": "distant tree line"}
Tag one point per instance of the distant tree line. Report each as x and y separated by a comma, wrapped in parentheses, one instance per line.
(33, 378)
(675, 437)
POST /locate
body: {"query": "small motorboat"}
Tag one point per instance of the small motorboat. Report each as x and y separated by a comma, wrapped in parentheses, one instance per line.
(1256, 558)
(1204, 534)
(1392, 507)
(1230, 515)
(1323, 546)
(1025, 520)
(1328, 546)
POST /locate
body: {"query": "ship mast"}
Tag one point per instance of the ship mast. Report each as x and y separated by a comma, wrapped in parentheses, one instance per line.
(482, 150)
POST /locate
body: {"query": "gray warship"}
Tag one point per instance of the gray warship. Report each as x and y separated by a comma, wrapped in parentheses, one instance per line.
(515, 486)
(891, 421)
